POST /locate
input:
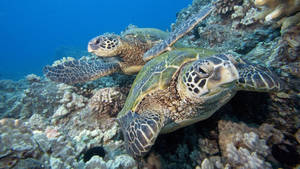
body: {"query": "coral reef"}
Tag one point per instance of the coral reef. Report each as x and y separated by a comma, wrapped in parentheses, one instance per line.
(55, 136)
(122, 161)
(104, 100)
(287, 11)
(16, 143)
(242, 147)
(49, 125)
(279, 8)
(18, 99)
(226, 6)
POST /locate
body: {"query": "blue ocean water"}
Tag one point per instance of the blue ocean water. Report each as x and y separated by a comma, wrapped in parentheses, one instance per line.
(34, 33)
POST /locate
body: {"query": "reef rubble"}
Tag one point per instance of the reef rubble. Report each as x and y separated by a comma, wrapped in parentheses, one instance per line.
(50, 125)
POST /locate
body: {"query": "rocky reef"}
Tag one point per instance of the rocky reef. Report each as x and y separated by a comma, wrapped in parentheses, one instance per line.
(50, 125)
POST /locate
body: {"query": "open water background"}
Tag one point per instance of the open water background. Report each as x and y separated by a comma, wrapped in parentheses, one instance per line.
(34, 33)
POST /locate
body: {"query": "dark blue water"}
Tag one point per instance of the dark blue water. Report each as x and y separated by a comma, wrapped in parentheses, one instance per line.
(34, 33)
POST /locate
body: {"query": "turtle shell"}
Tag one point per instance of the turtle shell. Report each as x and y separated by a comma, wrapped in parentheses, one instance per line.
(146, 35)
(158, 73)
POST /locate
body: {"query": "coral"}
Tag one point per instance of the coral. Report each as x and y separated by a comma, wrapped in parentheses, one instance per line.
(241, 14)
(42, 140)
(224, 7)
(16, 143)
(242, 146)
(242, 158)
(32, 78)
(153, 161)
(70, 100)
(18, 99)
(289, 22)
(11, 94)
(121, 161)
(51, 132)
(250, 17)
(206, 164)
(208, 146)
(281, 53)
(291, 38)
(56, 127)
(96, 162)
(62, 126)
(108, 100)
(62, 60)
(279, 8)
(29, 163)
(269, 133)
(36, 122)
(287, 11)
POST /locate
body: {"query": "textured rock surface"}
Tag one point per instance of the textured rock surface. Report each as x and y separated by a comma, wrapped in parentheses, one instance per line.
(66, 126)
(287, 11)
(241, 146)
(16, 142)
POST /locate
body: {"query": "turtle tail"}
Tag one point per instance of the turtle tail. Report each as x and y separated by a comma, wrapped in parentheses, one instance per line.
(76, 71)
(258, 78)
(140, 131)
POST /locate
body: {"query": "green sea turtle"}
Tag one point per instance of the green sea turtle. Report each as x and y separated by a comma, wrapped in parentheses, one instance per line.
(115, 53)
(125, 53)
(182, 87)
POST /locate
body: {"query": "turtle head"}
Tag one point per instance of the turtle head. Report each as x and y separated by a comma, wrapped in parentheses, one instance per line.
(207, 78)
(106, 45)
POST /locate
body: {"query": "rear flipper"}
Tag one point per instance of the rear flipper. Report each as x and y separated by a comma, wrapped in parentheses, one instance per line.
(258, 78)
(76, 71)
(140, 131)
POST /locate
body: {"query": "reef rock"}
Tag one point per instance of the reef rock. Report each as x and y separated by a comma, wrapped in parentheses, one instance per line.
(242, 147)
(49, 125)
(16, 143)
(287, 11)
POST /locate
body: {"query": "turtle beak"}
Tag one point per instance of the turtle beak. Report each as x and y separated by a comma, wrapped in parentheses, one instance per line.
(228, 85)
(92, 46)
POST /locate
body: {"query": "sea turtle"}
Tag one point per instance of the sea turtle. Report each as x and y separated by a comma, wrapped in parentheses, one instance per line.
(115, 53)
(182, 87)
(126, 50)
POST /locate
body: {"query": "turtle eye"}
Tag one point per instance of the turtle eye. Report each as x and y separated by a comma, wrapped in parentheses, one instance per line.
(97, 41)
(201, 71)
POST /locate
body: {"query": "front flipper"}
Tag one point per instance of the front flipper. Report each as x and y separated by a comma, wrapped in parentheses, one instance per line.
(140, 131)
(178, 33)
(258, 78)
(76, 71)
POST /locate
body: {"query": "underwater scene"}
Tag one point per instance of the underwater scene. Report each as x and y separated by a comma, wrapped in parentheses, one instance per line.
(199, 84)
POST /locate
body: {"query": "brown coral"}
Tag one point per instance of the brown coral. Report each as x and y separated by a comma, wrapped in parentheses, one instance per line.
(279, 8)
(242, 146)
(288, 11)
(107, 101)
(289, 51)
(224, 7)
(292, 38)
